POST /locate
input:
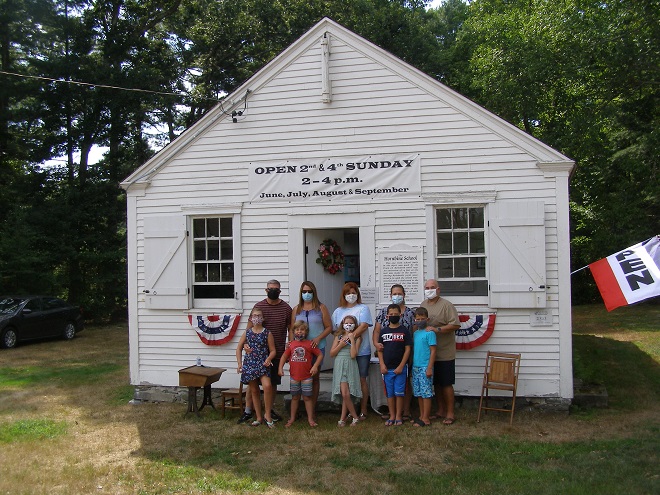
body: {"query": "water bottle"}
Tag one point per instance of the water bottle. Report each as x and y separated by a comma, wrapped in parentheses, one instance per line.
(199, 361)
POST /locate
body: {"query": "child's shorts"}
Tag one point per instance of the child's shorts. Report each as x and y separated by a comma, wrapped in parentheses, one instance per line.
(422, 384)
(304, 387)
(395, 385)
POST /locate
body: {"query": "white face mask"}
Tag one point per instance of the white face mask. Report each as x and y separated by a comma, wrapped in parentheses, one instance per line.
(430, 293)
(351, 298)
(349, 327)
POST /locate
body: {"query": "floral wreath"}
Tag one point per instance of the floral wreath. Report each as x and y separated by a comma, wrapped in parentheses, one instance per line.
(331, 256)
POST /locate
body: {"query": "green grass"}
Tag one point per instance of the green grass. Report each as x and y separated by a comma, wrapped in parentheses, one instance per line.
(31, 429)
(103, 445)
(620, 350)
(70, 375)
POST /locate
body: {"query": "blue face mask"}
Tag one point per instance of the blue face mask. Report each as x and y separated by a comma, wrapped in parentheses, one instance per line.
(307, 296)
(398, 299)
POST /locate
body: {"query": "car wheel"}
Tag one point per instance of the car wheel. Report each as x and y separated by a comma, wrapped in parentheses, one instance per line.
(9, 338)
(69, 331)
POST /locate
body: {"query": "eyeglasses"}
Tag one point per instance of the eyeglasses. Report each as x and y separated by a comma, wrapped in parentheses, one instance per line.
(308, 292)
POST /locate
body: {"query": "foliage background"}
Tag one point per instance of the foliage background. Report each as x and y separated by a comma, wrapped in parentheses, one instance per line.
(580, 75)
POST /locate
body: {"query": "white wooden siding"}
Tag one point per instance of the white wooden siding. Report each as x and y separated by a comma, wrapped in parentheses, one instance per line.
(375, 110)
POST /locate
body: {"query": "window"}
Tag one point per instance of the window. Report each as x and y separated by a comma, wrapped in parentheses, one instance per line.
(461, 251)
(213, 258)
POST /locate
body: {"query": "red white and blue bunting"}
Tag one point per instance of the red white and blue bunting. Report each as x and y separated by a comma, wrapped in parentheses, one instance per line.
(215, 329)
(474, 331)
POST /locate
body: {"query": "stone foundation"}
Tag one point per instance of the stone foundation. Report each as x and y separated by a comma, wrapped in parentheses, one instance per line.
(585, 397)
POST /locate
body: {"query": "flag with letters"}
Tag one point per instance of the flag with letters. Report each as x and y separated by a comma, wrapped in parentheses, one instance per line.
(629, 276)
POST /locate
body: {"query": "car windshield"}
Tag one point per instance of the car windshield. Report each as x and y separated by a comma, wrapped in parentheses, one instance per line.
(9, 305)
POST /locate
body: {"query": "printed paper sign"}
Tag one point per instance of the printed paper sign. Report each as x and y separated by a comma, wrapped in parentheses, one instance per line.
(370, 177)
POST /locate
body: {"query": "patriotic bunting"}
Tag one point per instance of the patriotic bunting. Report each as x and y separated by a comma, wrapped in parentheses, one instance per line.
(215, 329)
(474, 331)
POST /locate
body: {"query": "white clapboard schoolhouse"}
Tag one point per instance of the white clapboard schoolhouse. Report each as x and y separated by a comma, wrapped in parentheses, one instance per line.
(337, 139)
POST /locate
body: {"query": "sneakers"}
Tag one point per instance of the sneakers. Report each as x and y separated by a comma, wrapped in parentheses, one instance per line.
(244, 417)
(275, 416)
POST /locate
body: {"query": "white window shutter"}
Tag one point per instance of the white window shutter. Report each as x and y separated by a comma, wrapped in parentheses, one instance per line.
(516, 258)
(165, 263)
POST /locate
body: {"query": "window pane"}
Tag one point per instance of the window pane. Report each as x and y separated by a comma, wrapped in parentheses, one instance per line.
(443, 218)
(214, 272)
(446, 268)
(226, 227)
(213, 227)
(477, 244)
(213, 250)
(213, 291)
(212, 242)
(461, 267)
(200, 272)
(477, 267)
(226, 250)
(476, 218)
(227, 272)
(464, 287)
(199, 229)
(460, 242)
(460, 218)
(444, 243)
(200, 250)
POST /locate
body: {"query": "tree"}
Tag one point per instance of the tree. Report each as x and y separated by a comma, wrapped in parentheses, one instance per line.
(582, 77)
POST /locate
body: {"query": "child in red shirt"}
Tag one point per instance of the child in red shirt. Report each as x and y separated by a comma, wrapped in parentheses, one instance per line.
(299, 354)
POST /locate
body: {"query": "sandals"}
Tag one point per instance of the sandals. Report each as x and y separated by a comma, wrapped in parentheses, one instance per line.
(341, 423)
(355, 422)
(398, 422)
(420, 423)
(269, 424)
(389, 422)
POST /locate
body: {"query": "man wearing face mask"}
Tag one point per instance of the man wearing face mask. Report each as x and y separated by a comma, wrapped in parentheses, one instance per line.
(443, 320)
(277, 319)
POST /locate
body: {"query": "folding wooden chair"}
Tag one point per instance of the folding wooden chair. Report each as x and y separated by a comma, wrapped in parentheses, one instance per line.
(500, 373)
(233, 398)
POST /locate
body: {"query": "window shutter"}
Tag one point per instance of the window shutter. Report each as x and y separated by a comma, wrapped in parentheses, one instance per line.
(165, 263)
(517, 254)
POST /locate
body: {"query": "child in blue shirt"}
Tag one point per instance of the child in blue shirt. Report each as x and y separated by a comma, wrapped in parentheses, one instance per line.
(424, 347)
(393, 356)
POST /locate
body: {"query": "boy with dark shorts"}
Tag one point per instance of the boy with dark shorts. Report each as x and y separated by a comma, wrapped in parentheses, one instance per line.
(393, 357)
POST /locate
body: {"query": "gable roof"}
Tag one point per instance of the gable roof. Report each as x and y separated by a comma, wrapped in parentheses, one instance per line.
(544, 154)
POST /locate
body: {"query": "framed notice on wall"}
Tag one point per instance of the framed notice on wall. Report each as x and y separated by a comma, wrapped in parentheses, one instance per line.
(404, 266)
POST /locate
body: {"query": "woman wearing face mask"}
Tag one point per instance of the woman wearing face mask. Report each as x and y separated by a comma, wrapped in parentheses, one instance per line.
(317, 317)
(350, 303)
(398, 296)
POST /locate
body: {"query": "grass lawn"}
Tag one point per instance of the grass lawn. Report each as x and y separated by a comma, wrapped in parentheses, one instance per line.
(66, 427)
